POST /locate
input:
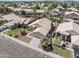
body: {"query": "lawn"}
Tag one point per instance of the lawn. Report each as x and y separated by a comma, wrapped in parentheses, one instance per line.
(60, 51)
(56, 42)
(13, 32)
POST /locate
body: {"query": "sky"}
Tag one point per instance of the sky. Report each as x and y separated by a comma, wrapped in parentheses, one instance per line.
(39, 0)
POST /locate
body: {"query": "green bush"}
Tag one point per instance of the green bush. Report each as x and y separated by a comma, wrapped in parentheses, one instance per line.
(44, 42)
(10, 35)
(16, 36)
(46, 45)
(23, 12)
(23, 32)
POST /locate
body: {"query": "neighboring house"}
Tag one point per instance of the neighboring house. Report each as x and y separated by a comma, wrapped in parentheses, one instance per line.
(68, 27)
(23, 6)
(41, 11)
(40, 27)
(71, 16)
(15, 9)
(72, 9)
(28, 21)
(71, 28)
(45, 8)
(10, 17)
(28, 11)
(14, 19)
(10, 25)
(75, 45)
(55, 12)
(60, 8)
(11, 8)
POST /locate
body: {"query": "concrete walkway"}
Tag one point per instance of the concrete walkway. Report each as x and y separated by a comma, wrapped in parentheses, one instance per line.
(35, 42)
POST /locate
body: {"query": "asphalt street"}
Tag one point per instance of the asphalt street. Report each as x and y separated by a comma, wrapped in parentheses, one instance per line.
(12, 49)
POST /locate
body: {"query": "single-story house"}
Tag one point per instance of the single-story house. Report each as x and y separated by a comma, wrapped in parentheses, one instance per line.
(71, 16)
(75, 45)
(23, 6)
(30, 11)
(28, 21)
(20, 20)
(10, 25)
(13, 20)
(60, 7)
(69, 27)
(55, 12)
(15, 9)
(11, 8)
(73, 29)
(40, 27)
(72, 9)
(10, 17)
(41, 11)
(13, 17)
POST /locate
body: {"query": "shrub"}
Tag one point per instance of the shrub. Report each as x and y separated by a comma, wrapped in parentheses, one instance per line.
(16, 36)
(23, 32)
(23, 12)
(10, 34)
(45, 44)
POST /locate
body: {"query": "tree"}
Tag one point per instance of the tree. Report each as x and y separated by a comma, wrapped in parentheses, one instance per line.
(72, 4)
(52, 6)
(1, 9)
(77, 4)
(37, 6)
(64, 5)
(34, 11)
(45, 44)
(53, 18)
(15, 5)
(16, 36)
(4, 10)
(7, 10)
(23, 32)
(30, 4)
(46, 4)
(2, 5)
(23, 12)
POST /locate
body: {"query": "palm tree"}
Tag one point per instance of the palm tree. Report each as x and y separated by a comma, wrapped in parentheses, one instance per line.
(45, 44)
(52, 28)
(34, 12)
